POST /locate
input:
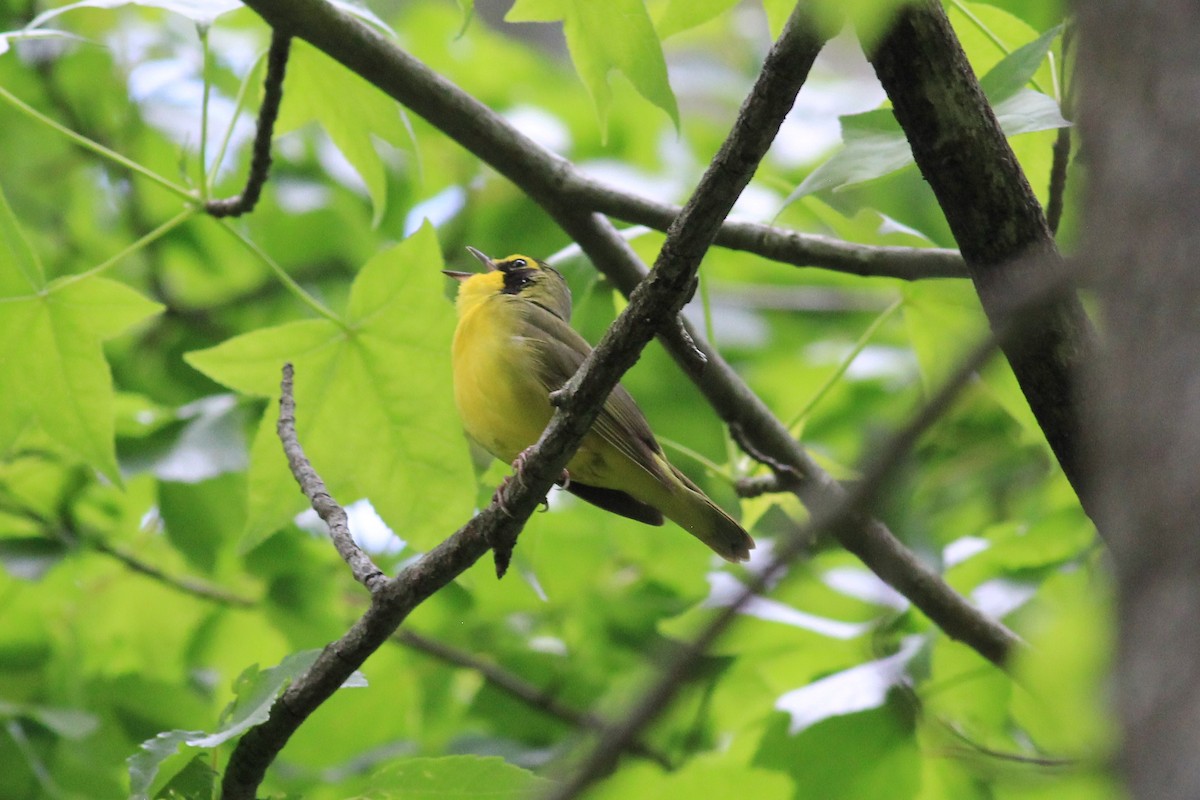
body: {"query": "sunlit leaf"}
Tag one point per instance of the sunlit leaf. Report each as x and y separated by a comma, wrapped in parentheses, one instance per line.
(680, 15)
(455, 778)
(856, 689)
(350, 110)
(53, 369)
(201, 12)
(255, 691)
(374, 401)
(604, 37)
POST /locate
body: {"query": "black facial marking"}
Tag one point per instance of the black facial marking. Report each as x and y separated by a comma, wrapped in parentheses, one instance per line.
(517, 279)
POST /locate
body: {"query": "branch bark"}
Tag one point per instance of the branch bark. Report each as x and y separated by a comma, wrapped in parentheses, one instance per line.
(994, 215)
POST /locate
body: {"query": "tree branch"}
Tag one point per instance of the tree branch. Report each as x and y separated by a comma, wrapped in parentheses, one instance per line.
(268, 112)
(328, 509)
(549, 178)
(778, 244)
(993, 213)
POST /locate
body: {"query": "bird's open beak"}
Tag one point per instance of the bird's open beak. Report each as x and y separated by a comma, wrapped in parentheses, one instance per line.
(481, 258)
(458, 276)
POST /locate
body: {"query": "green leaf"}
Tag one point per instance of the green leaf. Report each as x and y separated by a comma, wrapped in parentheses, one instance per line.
(374, 408)
(451, 777)
(869, 754)
(1028, 111)
(1067, 666)
(53, 369)
(69, 723)
(681, 15)
(201, 12)
(350, 110)
(196, 781)
(603, 37)
(705, 776)
(1018, 67)
(255, 691)
(15, 249)
(944, 320)
(30, 557)
(873, 144)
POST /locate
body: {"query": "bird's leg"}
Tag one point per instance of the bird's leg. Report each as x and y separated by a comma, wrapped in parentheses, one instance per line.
(518, 466)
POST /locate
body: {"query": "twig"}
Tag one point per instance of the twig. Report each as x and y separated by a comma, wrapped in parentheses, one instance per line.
(1058, 178)
(655, 698)
(192, 586)
(66, 533)
(515, 686)
(974, 747)
(268, 112)
(777, 244)
(361, 565)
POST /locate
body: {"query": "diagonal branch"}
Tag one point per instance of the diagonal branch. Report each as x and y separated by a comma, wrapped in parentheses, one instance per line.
(334, 516)
(994, 215)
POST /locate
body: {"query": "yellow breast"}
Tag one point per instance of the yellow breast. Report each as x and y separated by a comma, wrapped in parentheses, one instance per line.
(502, 404)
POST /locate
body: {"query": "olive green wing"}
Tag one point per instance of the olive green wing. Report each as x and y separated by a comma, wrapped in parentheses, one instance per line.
(621, 423)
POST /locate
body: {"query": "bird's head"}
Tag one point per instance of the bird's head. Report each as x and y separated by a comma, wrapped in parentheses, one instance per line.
(525, 277)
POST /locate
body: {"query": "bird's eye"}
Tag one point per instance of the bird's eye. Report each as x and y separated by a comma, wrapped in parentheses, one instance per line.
(520, 263)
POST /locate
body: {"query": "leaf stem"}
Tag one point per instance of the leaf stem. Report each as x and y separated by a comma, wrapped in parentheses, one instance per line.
(284, 278)
(859, 346)
(96, 147)
(157, 233)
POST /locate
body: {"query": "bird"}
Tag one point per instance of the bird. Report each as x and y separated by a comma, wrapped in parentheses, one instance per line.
(513, 346)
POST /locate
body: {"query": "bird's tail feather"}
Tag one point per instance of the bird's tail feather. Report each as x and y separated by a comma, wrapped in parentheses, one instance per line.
(694, 512)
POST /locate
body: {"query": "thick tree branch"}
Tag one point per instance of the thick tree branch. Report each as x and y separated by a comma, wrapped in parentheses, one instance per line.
(993, 213)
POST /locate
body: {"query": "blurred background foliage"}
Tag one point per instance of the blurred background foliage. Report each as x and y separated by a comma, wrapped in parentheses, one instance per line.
(156, 563)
